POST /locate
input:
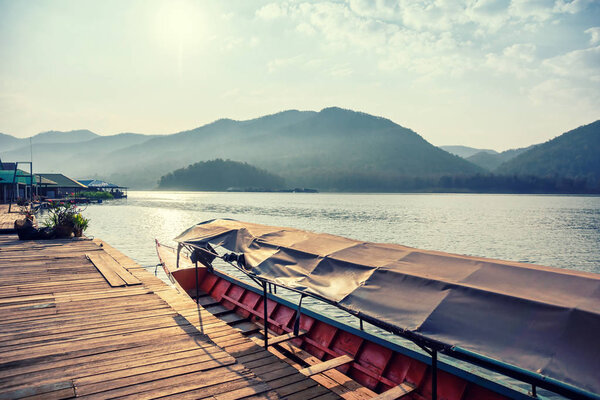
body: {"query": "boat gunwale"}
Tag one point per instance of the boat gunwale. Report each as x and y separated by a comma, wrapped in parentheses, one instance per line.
(487, 383)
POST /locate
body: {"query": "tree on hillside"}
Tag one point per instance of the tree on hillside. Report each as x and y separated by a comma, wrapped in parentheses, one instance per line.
(220, 175)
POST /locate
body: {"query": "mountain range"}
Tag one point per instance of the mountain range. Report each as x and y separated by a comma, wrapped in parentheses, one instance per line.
(487, 159)
(333, 149)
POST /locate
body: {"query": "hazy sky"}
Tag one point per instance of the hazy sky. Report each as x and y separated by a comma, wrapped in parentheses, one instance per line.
(490, 73)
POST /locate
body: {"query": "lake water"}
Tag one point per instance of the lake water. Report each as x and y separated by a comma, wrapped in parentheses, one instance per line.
(558, 231)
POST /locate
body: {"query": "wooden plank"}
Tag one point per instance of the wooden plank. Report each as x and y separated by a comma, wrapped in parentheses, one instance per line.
(105, 362)
(284, 338)
(246, 391)
(332, 379)
(173, 383)
(310, 393)
(106, 263)
(166, 368)
(246, 328)
(111, 276)
(218, 310)
(326, 365)
(226, 383)
(46, 390)
(397, 392)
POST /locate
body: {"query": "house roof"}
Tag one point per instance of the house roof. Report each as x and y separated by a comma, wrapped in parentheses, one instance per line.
(7, 176)
(96, 183)
(7, 166)
(40, 180)
(61, 180)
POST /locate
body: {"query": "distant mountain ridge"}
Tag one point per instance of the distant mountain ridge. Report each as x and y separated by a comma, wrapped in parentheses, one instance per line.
(574, 154)
(487, 159)
(333, 149)
(465, 151)
(8, 142)
(491, 161)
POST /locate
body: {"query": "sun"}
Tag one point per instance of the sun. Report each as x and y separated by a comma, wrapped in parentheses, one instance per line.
(180, 28)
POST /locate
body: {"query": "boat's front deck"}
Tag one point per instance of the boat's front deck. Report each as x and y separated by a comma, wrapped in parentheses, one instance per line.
(65, 331)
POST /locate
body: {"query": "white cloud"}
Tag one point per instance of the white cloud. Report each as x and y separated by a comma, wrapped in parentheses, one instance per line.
(562, 93)
(489, 15)
(272, 11)
(342, 71)
(306, 29)
(572, 6)
(379, 9)
(584, 64)
(539, 10)
(519, 60)
(594, 35)
(279, 63)
(441, 15)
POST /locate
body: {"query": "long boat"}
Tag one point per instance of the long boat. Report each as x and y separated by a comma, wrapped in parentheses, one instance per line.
(533, 324)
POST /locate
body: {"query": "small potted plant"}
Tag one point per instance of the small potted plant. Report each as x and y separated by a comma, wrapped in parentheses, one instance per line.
(25, 227)
(80, 224)
(65, 219)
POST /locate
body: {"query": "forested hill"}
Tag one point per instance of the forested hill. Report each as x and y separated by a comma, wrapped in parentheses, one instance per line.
(574, 154)
(330, 150)
(333, 149)
(220, 175)
(491, 161)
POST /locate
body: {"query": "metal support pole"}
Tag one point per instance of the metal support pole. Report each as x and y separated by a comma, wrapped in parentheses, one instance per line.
(361, 324)
(533, 390)
(434, 374)
(266, 315)
(197, 288)
(297, 321)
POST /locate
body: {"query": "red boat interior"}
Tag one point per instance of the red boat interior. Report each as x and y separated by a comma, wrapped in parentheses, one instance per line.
(372, 365)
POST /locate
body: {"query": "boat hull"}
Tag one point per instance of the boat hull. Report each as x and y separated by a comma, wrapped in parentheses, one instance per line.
(378, 365)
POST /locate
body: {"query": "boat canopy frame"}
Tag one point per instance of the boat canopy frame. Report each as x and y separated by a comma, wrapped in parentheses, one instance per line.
(205, 254)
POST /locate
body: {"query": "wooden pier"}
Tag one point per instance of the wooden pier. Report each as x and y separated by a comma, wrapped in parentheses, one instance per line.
(80, 319)
(7, 220)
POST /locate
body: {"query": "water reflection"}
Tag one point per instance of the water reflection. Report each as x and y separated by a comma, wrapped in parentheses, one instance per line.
(560, 231)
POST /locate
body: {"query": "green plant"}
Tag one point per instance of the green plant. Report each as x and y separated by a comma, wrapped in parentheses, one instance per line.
(80, 224)
(96, 195)
(25, 210)
(66, 218)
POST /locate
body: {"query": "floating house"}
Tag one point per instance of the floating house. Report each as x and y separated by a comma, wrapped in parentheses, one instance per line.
(61, 186)
(18, 183)
(102, 186)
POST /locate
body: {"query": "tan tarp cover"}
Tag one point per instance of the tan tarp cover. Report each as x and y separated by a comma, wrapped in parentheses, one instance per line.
(545, 320)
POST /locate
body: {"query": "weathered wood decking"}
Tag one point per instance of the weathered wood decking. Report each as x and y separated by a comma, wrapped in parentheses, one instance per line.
(7, 220)
(66, 332)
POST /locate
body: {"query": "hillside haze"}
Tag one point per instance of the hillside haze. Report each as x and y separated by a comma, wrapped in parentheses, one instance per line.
(574, 154)
(466, 151)
(331, 149)
(491, 161)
